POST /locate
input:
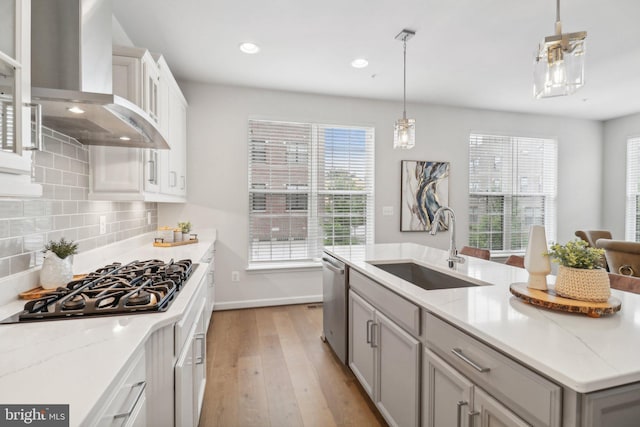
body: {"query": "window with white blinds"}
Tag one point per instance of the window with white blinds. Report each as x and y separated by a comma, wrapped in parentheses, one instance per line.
(632, 217)
(512, 185)
(310, 186)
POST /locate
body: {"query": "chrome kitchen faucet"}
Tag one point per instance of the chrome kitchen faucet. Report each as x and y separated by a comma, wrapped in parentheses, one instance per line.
(453, 252)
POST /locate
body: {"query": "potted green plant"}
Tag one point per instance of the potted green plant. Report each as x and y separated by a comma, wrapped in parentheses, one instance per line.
(56, 267)
(185, 227)
(580, 274)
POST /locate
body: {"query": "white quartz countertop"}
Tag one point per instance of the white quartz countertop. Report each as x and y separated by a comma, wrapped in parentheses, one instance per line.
(75, 361)
(582, 353)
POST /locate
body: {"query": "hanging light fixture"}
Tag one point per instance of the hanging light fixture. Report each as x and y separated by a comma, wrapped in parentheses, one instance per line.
(404, 131)
(559, 64)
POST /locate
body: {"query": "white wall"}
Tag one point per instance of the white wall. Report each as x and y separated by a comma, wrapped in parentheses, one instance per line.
(616, 133)
(217, 182)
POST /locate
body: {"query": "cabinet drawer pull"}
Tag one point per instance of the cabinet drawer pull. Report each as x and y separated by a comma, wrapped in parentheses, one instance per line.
(460, 404)
(458, 352)
(142, 385)
(369, 322)
(470, 419)
(37, 145)
(374, 340)
(201, 337)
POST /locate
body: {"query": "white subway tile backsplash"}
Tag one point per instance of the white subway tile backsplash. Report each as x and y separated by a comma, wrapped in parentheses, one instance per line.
(52, 176)
(20, 227)
(64, 211)
(61, 163)
(11, 246)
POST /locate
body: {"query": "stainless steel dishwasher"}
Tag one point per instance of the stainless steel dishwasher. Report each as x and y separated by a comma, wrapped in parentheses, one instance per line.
(334, 305)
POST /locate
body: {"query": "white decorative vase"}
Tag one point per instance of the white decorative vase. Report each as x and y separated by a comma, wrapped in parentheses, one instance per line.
(55, 271)
(536, 260)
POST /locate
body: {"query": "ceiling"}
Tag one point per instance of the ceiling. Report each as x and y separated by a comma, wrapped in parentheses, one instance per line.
(473, 53)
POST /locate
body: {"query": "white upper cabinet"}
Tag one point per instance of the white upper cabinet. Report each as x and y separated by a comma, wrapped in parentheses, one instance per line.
(15, 95)
(173, 121)
(144, 174)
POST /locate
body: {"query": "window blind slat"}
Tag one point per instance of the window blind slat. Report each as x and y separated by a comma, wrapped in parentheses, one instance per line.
(310, 185)
(632, 216)
(512, 185)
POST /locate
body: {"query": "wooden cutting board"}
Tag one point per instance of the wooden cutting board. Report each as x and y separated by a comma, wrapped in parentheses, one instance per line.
(160, 244)
(39, 292)
(549, 299)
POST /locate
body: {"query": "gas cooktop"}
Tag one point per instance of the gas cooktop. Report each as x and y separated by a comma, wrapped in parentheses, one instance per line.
(116, 289)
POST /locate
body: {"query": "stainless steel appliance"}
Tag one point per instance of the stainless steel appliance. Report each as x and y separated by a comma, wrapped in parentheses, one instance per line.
(334, 304)
(71, 65)
(137, 287)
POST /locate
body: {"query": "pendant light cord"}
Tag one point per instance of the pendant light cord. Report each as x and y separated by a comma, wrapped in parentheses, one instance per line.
(558, 24)
(404, 90)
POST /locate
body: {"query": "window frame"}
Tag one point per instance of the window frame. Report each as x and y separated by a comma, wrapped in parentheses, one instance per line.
(510, 191)
(297, 155)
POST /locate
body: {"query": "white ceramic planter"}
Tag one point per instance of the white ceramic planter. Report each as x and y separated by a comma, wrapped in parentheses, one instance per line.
(55, 271)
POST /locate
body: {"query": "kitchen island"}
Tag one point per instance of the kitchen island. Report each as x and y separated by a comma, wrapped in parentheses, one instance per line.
(79, 362)
(580, 354)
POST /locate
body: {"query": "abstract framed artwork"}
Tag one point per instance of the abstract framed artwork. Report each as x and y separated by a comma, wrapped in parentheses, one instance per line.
(424, 189)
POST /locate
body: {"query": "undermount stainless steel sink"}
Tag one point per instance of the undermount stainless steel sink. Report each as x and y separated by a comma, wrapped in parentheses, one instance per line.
(421, 276)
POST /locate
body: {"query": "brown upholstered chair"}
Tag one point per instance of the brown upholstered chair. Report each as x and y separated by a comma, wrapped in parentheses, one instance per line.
(592, 236)
(622, 257)
(625, 283)
(476, 252)
(515, 260)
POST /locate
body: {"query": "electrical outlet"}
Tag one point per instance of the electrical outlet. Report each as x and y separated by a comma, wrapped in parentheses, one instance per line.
(103, 224)
(235, 276)
(148, 218)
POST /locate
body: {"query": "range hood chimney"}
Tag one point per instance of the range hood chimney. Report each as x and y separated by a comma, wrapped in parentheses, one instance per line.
(71, 76)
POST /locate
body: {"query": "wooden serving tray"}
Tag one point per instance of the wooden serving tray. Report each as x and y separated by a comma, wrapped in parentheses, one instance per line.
(549, 299)
(40, 292)
(160, 244)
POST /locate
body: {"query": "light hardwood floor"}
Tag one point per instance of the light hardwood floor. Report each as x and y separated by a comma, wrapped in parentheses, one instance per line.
(269, 367)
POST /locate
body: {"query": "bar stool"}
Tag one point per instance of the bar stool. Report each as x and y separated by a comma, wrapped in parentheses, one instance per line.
(476, 252)
(515, 260)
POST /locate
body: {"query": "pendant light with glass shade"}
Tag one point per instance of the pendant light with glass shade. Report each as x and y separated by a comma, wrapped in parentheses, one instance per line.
(404, 131)
(559, 63)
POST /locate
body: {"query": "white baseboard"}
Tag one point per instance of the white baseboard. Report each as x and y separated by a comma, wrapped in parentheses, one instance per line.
(232, 305)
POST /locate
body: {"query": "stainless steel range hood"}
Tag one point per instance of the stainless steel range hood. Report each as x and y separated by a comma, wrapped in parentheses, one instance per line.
(71, 51)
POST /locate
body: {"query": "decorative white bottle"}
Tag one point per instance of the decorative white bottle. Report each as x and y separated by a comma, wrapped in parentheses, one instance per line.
(536, 260)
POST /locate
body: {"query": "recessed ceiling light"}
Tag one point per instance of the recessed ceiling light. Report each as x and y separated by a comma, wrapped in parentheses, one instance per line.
(250, 48)
(75, 110)
(125, 138)
(359, 63)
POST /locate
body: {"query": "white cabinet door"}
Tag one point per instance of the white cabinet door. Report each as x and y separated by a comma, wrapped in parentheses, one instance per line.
(126, 78)
(446, 394)
(361, 352)
(184, 387)
(177, 156)
(398, 385)
(200, 361)
(488, 412)
(150, 90)
(15, 98)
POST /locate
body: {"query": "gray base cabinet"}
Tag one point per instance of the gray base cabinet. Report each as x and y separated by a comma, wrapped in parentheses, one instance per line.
(450, 399)
(618, 407)
(386, 361)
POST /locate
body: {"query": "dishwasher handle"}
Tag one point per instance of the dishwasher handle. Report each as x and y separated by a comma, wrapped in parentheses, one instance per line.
(331, 265)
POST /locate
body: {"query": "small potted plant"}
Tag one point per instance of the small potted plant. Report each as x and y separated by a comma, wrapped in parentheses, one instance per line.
(580, 274)
(185, 227)
(56, 267)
